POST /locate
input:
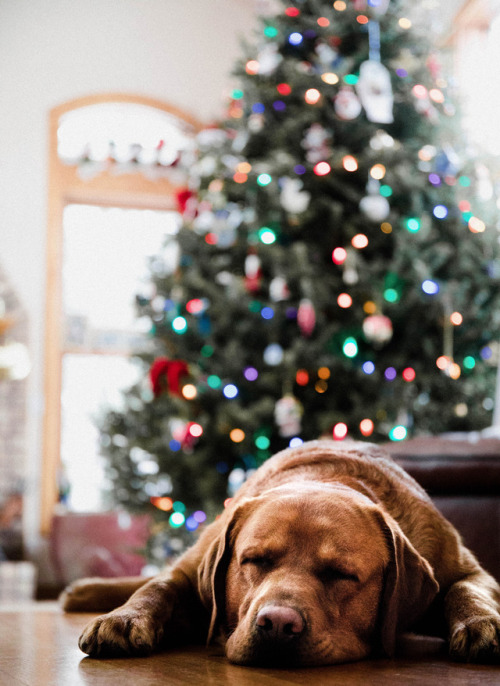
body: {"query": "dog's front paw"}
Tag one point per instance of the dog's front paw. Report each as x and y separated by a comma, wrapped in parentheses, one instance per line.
(477, 640)
(119, 633)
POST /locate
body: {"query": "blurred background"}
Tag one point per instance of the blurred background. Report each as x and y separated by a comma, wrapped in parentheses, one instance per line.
(65, 339)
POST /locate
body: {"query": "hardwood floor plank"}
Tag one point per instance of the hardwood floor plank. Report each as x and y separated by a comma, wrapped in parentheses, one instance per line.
(38, 647)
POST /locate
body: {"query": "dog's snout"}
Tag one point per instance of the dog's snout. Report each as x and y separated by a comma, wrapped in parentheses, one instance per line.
(279, 622)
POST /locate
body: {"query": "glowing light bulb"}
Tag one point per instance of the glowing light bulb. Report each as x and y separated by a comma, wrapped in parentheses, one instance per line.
(340, 431)
(330, 78)
(176, 520)
(283, 89)
(409, 374)
(230, 391)
(440, 212)
(322, 169)
(295, 38)
(267, 235)
(302, 377)
(413, 224)
(350, 347)
(456, 318)
(366, 427)
(350, 163)
(430, 287)
(323, 22)
(264, 179)
(339, 255)
(344, 300)
(312, 96)
(237, 435)
(292, 11)
(359, 241)
(251, 374)
(398, 433)
(476, 225)
(377, 171)
(419, 91)
(189, 391)
(179, 325)
(436, 95)
(368, 367)
(405, 23)
(252, 67)
(196, 430)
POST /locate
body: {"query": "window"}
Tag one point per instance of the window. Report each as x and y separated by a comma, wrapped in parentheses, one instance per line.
(114, 174)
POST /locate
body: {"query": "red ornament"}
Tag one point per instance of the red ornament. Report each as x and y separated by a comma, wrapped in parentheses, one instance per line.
(166, 375)
(306, 317)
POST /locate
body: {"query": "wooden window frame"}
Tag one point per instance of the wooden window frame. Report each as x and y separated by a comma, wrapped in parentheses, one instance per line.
(129, 190)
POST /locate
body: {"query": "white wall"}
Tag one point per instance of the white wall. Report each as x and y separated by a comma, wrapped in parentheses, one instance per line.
(52, 51)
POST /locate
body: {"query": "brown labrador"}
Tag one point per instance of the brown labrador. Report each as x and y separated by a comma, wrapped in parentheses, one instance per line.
(326, 555)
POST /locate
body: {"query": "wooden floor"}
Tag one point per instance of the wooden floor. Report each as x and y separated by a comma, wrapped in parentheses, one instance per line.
(38, 647)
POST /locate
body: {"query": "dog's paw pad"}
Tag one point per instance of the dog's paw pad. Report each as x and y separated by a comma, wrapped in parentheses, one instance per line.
(120, 633)
(477, 640)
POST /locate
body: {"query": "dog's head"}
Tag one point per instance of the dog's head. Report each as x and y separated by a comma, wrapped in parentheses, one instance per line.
(309, 575)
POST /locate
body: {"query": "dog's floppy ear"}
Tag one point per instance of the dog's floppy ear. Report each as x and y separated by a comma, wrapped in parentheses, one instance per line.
(409, 586)
(214, 565)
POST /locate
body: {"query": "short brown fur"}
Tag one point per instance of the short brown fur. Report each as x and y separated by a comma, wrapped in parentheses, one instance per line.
(326, 554)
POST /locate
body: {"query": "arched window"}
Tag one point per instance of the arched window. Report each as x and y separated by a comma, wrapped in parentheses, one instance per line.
(116, 166)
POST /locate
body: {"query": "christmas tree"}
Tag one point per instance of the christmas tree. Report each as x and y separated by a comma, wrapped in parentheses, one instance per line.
(333, 276)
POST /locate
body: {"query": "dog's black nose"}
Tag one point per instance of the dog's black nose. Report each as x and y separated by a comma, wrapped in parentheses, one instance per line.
(280, 623)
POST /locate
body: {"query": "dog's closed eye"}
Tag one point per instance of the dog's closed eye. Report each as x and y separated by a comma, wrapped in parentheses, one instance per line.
(329, 575)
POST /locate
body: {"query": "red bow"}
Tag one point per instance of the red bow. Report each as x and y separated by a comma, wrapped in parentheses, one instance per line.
(166, 374)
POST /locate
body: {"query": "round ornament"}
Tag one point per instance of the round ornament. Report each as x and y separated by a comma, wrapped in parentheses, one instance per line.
(375, 207)
(288, 412)
(292, 198)
(377, 329)
(273, 354)
(346, 104)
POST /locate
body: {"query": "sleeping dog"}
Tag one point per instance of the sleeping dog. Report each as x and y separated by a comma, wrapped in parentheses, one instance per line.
(325, 555)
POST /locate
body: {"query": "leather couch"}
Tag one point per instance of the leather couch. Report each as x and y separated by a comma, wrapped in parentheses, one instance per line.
(461, 473)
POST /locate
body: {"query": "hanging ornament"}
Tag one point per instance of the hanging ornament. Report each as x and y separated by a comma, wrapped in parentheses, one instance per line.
(346, 104)
(288, 412)
(268, 58)
(377, 329)
(278, 289)
(306, 317)
(374, 206)
(375, 92)
(292, 198)
(253, 272)
(316, 143)
(166, 375)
